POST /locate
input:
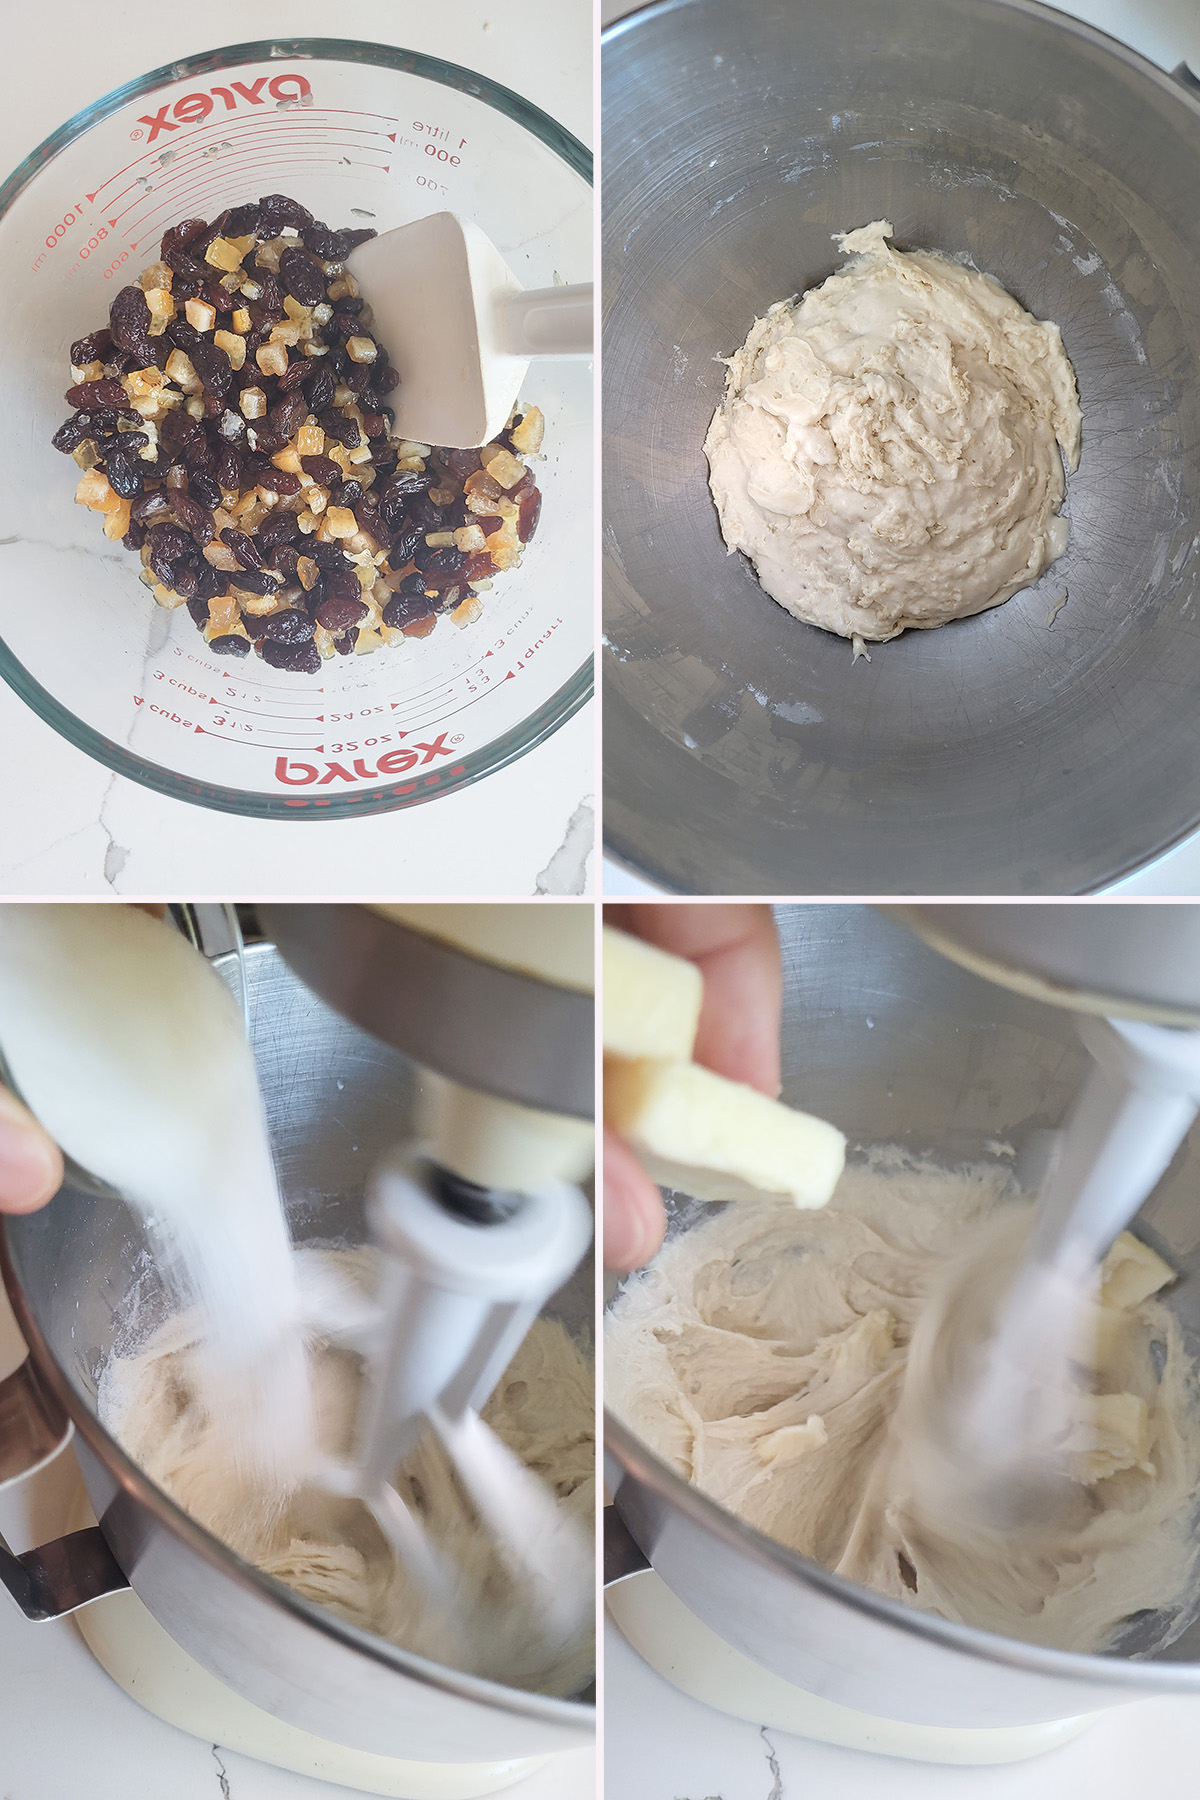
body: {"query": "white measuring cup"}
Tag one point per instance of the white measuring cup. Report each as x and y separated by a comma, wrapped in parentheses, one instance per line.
(361, 134)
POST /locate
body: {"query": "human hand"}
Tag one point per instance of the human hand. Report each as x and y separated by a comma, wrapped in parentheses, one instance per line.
(737, 952)
(31, 1165)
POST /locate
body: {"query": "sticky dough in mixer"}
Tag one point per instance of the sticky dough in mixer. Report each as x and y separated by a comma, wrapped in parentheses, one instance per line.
(330, 1550)
(887, 452)
(764, 1354)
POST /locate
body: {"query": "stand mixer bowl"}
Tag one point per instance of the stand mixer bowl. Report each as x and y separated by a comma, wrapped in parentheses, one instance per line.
(336, 1099)
(745, 752)
(895, 1044)
(361, 134)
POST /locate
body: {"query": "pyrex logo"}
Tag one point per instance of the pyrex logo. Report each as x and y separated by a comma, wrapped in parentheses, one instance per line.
(193, 109)
(392, 762)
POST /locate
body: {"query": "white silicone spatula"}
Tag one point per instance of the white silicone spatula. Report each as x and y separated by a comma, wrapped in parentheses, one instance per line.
(460, 328)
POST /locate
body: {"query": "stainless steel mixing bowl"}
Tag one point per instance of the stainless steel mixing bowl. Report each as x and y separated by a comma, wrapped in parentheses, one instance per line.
(336, 1099)
(896, 1044)
(745, 753)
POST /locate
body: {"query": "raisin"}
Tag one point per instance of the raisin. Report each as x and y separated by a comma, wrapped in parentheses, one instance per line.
(373, 422)
(287, 415)
(458, 464)
(439, 567)
(255, 581)
(358, 377)
(230, 646)
(270, 305)
(199, 611)
(213, 367)
(244, 548)
(282, 481)
(335, 246)
(302, 277)
(423, 512)
(322, 470)
(242, 220)
(204, 488)
(338, 614)
(293, 376)
(180, 236)
(328, 557)
(255, 626)
(277, 211)
(285, 558)
(209, 235)
(478, 566)
(488, 523)
(177, 430)
(169, 542)
(228, 470)
(155, 503)
(96, 393)
(529, 512)
(349, 492)
(343, 584)
(212, 582)
(406, 540)
(369, 520)
(402, 609)
(92, 348)
(71, 433)
(184, 336)
(398, 490)
(124, 476)
(291, 626)
(129, 321)
(342, 431)
(190, 513)
(277, 528)
(320, 387)
(389, 380)
(185, 579)
(268, 442)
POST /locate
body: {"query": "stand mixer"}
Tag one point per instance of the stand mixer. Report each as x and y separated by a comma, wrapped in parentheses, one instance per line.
(476, 1226)
(894, 1044)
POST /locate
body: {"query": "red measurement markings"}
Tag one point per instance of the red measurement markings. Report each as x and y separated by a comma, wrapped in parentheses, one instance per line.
(200, 159)
(225, 169)
(255, 743)
(205, 133)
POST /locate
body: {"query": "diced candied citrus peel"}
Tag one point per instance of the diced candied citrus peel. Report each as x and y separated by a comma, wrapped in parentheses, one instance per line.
(502, 465)
(253, 402)
(116, 523)
(241, 320)
(201, 316)
(361, 349)
(223, 253)
(234, 346)
(155, 275)
(310, 440)
(308, 573)
(288, 460)
(167, 597)
(94, 492)
(339, 522)
(272, 359)
(527, 436)
(162, 309)
(467, 611)
(181, 372)
(468, 537)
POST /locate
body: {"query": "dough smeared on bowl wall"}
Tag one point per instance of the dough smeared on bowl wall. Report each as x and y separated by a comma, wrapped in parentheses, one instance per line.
(888, 450)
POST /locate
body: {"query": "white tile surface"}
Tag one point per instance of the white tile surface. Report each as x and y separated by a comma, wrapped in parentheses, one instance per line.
(70, 827)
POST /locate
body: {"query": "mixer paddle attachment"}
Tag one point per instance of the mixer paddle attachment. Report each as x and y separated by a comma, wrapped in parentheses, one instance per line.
(1006, 1415)
(465, 1271)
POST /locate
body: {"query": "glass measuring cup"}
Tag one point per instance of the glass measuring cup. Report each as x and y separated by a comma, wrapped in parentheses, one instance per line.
(360, 134)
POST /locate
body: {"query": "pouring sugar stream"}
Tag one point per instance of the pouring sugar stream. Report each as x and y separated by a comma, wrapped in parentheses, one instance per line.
(131, 1050)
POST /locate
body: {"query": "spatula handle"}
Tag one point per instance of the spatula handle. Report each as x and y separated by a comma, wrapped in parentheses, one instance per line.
(553, 321)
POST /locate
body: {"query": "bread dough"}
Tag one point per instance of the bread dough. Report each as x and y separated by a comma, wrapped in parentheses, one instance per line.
(765, 1356)
(887, 452)
(330, 1550)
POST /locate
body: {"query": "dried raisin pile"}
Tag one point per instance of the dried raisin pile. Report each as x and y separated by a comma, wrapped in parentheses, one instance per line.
(233, 428)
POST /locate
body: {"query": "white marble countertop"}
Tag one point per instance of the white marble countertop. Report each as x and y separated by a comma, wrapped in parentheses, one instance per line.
(1168, 32)
(73, 828)
(661, 1745)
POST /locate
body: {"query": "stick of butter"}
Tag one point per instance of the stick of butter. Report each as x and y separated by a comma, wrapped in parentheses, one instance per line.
(651, 1000)
(717, 1139)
